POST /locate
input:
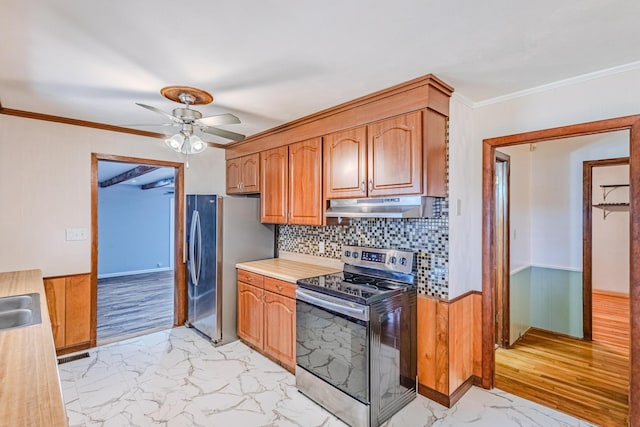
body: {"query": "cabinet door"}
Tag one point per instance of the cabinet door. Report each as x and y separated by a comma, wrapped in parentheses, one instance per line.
(55, 289)
(250, 314)
(250, 173)
(78, 310)
(274, 185)
(394, 155)
(234, 175)
(305, 182)
(345, 165)
(280, 328)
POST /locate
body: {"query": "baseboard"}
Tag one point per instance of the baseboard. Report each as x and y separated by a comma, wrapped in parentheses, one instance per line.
(434, 395)
(73, 349)
(449, 400)
(134, 272)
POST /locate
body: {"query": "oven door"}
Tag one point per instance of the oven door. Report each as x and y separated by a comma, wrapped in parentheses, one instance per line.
(332, 341)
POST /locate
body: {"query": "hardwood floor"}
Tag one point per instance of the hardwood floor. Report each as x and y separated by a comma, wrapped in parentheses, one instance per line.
(129, 305)
(611, 319)
(589, 380)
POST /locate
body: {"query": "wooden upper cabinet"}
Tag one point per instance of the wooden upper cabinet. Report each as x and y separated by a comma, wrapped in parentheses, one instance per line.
(233, 175)
(394, 156)
(243, 174)
(274, 185)
(345, 164)
(305, 182)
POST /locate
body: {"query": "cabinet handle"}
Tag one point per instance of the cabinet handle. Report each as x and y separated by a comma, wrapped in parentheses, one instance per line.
(370, 184)
(280, 288)
(249, 279)
(362, 188)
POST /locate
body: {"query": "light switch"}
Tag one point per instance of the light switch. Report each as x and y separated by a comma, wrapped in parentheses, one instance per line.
(320, 247)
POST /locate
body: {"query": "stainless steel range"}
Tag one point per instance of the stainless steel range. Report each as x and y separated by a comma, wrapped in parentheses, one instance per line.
(356, 336)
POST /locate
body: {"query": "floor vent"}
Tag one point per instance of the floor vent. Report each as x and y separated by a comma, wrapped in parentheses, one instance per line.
(72, 358)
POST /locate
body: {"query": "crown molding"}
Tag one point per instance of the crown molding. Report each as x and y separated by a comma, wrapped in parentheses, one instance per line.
(88, 124)
(560, 83)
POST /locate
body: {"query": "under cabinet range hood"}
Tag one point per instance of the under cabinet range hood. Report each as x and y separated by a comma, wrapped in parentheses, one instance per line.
(384, 207)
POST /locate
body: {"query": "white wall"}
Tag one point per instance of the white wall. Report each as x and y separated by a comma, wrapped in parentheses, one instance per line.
(610, 250)
(466, 190)
(519, 206)
(45, 187)
(556, 227)
(595, 99)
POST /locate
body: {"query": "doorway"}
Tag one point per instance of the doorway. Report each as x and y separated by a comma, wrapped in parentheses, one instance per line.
(502, 324)
(606, 195)
(162, 269)
(630, 123)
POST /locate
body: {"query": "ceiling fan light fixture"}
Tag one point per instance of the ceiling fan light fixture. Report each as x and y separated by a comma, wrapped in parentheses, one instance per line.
(196, 145)
(176, 142)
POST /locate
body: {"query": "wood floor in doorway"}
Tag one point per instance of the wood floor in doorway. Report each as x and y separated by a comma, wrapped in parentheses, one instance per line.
(586, 379)
(129, 305)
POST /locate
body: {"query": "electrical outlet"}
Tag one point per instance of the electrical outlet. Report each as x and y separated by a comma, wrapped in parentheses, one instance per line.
(321, 247)
(72, 234)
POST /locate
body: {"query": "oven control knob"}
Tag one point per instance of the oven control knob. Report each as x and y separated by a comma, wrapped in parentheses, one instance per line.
(355, 255)
(392, 260)
(403, 261)
(347, 253)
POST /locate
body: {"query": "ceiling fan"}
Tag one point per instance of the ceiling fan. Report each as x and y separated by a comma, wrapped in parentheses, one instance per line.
(189, 120)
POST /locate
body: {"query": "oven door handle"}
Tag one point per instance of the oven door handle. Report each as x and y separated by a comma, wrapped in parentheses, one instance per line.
(333, 304)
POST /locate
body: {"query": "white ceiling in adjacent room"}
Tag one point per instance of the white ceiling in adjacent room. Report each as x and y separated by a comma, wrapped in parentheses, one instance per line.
(269, 62)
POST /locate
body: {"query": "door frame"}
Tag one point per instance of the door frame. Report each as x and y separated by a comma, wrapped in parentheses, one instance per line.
(179, 297)
(631, 123)
(506, 259)
(587, 238)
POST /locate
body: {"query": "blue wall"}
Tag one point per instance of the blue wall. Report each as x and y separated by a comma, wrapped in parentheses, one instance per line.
(134, 229)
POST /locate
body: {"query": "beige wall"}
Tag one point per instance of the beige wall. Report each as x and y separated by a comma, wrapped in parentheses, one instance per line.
(45, 187)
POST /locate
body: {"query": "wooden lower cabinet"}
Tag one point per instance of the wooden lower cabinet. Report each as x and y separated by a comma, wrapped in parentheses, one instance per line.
(267, 316)
(69, 304)
(280, 328)
(250, 314)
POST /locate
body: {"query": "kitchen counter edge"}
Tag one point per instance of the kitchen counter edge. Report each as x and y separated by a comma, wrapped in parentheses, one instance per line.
(30, 386)
(285, 269)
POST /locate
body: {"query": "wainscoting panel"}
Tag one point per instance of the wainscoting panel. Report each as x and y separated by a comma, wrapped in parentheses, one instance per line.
(449, 346)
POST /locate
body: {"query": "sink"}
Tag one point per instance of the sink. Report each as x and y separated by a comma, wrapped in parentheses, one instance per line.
(19, 311)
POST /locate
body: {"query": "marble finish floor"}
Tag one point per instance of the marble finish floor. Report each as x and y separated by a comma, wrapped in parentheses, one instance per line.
(129, 305)
(175, 378)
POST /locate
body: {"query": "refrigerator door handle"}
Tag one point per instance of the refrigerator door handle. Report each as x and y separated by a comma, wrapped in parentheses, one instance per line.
(199, 261)
(192, 247)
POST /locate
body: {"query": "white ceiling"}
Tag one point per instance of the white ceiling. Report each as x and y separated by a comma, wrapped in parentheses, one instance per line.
(270, 62)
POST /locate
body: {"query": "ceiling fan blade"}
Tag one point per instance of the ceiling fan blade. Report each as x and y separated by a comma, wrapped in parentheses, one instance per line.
(159, 111)
(220, 119)
(223, 133)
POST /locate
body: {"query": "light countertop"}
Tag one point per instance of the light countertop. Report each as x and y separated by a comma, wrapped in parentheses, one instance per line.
(30, 393)
(286, 269)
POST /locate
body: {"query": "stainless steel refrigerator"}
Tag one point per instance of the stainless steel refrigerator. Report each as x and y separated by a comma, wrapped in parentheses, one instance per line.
(221, 231)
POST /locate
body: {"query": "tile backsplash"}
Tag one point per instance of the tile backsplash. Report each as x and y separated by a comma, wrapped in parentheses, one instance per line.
(429, 237)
